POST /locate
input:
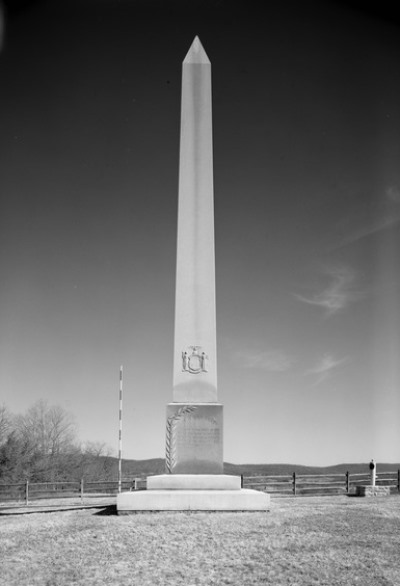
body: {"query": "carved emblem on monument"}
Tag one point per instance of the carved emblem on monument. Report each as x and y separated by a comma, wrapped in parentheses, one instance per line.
(196, 362)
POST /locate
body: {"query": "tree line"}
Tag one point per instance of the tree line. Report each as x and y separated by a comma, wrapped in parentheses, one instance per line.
(41, 445)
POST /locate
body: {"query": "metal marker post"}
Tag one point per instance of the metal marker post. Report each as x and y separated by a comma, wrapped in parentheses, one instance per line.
(372, 467)
(120, 433)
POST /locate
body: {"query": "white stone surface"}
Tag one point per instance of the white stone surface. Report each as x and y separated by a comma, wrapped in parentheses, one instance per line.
(194, 438)
(371, 491)
(192, 500)
(194, 482)
(195, 324)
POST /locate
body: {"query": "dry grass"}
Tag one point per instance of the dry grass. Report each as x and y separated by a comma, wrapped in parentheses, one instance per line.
(305, 541)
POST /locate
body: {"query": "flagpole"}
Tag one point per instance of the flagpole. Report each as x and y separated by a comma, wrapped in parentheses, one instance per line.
(120, 432)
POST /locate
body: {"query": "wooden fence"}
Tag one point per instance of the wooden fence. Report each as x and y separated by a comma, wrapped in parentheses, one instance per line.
(281, 485)
(315, 484)
(33, 491)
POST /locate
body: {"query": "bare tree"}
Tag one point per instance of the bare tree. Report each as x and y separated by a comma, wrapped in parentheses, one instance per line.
(5, 423)
(97, 449)
(48, 436)
(41, 445)
(49, 429)
(97, 462)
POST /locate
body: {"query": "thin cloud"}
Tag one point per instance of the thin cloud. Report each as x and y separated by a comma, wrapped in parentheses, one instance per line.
(324, 368)
(377, 226)
(338, 294)
(270, 360)
(384, 215)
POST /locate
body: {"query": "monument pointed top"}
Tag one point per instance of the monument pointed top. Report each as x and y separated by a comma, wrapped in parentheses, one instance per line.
(196, 53)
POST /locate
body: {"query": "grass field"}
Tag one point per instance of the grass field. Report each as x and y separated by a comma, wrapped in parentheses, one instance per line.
(303, 541)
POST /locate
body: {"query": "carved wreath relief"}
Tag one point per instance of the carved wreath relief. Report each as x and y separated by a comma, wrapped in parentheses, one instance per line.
(171, 436)
(196, 362)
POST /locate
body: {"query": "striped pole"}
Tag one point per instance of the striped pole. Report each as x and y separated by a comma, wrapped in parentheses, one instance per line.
(120, 433)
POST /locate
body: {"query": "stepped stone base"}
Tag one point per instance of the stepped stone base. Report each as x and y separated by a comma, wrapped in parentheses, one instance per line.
(192, 500)
(193, 482)
(192, 492)
(372, 491)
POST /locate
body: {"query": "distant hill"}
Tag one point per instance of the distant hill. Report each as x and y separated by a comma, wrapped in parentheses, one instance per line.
(133, 468)
(142, 467)
(283, 469)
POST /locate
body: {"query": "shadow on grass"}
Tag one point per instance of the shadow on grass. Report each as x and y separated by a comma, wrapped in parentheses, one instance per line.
(106, 510)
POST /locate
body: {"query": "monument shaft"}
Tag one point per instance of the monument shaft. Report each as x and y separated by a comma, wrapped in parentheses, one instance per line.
(194, 419)
(195, 363)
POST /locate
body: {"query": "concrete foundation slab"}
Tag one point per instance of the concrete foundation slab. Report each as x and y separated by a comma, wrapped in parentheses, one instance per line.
(192, 500)
(193, 482)
(369, 491)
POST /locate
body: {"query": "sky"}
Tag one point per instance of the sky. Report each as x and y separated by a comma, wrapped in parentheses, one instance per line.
(306, 133)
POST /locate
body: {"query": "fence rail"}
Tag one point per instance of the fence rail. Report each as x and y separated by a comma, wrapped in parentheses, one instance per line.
(33, 491)
(297, 484)
(289, 484)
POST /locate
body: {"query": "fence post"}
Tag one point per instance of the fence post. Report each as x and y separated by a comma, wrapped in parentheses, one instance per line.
(294, 483)
(241, 480)
(347, 482)
(398, 480)
(81, 490)
(27, 492)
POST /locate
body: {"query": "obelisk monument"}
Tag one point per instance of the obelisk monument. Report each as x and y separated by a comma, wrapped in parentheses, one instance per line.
(194, 419)
(194, 478)
(195, 326)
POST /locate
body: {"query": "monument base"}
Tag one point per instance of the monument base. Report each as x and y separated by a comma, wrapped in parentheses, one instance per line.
(191, 500)
(372, 491)
(194, 482)
(197, 492)
(194, 438)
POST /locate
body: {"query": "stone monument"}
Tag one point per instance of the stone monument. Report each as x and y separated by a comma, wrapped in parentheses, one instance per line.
(194, 478)
(373, 489)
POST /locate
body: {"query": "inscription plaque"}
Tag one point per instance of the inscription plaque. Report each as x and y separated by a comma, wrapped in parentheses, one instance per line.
(194, 438)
